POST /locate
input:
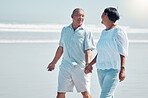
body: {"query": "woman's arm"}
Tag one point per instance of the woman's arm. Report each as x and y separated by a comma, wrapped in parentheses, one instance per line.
(122, 71)
(88, 67)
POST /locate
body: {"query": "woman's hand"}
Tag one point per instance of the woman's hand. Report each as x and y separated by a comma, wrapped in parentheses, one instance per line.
(122, 74)
(51, 66)
(88, 69)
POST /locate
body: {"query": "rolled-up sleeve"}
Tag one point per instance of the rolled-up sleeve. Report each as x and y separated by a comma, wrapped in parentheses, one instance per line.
(61, 38)
(89, 41)
(122, 42)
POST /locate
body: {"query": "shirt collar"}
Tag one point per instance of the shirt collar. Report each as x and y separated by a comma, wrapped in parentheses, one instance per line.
(81, 27)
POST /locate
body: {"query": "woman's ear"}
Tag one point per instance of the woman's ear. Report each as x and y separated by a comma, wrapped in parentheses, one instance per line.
(106, 14)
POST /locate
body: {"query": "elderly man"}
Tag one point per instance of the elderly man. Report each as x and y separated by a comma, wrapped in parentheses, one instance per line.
(76, 45)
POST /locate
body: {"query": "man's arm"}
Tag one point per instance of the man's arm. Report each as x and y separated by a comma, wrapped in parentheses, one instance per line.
(58, 55)
(88, 56)
(89, 68)
(122, 71)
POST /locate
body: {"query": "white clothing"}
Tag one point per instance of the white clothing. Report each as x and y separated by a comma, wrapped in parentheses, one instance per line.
(74, 77)
(71, 72)
(112, 43)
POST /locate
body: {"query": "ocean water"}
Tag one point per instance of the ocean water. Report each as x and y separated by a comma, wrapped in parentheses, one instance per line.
(24, 57)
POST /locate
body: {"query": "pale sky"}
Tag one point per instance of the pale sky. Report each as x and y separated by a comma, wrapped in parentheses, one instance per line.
(133, 13)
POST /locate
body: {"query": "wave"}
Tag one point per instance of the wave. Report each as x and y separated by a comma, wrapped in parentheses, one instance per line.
(7, 27)
(56, 41)
(28, 41)
(31, 27)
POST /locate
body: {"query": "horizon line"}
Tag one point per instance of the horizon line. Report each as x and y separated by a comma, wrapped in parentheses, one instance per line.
(6, 41)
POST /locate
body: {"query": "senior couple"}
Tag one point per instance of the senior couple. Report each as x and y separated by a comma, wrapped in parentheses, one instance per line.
(76, 45)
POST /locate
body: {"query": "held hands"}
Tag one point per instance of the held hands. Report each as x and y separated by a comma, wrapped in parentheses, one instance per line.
(88, 69)
(51, 67)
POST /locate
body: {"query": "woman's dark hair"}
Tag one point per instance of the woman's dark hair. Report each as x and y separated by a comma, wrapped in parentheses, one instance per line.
(113, 14)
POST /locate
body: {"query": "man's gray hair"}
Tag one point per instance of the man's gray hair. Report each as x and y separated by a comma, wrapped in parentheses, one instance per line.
(76, 10)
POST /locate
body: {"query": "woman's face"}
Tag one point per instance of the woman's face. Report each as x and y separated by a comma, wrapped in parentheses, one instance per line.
(104, 17)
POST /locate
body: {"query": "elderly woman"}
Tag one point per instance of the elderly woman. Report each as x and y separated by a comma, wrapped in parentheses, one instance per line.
(112, 48)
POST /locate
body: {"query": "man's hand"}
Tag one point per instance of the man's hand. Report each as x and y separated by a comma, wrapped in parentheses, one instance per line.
(122, 75)
(58, 55)
(51, 67)
(88, 69)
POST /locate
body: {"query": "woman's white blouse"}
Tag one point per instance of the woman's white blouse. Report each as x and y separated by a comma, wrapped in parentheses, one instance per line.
(111, 44)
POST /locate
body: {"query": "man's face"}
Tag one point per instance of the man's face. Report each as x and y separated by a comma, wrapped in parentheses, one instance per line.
(78, 17)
